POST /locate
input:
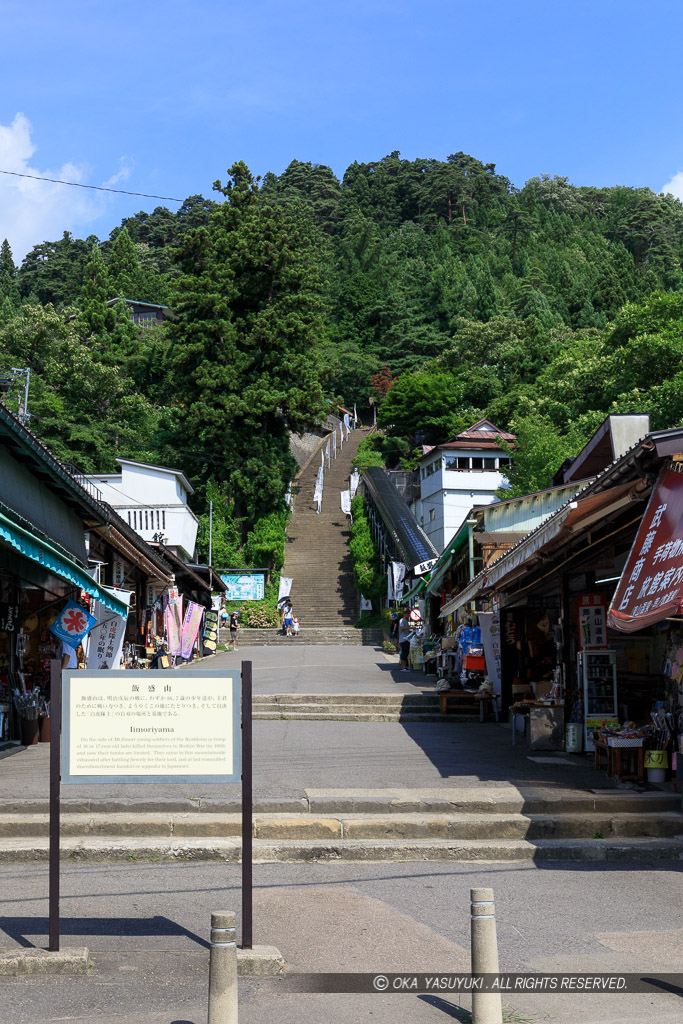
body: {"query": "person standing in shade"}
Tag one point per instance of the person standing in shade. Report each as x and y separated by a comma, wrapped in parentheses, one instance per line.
(234, 626)
(405, 631)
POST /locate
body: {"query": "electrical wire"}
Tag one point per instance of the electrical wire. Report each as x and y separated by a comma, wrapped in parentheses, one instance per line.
(97, 188)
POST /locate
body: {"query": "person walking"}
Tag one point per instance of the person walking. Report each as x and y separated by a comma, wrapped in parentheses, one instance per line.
(295, 626)
(234, 626)
(405, 632)
(289, 619)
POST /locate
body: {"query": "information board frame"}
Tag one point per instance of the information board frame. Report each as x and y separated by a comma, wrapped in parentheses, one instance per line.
(73, 682)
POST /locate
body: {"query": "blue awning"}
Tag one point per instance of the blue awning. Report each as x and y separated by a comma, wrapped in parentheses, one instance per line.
(41, 551)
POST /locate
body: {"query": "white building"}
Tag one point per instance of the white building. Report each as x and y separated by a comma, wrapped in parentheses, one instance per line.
(153, 501)
(456, 475)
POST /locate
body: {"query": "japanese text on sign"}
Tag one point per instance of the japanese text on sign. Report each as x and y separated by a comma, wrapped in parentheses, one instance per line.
(123, 725)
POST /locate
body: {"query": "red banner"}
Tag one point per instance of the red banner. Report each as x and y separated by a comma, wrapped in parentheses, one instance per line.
(651, 585)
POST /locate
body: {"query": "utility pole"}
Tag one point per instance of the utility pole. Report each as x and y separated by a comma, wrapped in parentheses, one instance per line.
(210, 529)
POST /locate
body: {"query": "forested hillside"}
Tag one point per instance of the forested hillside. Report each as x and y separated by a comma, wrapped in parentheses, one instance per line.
(435, 288)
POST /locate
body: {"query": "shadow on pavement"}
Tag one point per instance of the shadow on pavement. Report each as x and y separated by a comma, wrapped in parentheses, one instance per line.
(18, 928)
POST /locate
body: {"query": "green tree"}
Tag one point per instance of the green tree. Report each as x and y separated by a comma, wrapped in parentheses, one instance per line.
(123, 268)
(244, 345)
(424, 406)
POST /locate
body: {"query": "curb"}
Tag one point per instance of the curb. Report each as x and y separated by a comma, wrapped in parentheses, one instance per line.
(258, 962)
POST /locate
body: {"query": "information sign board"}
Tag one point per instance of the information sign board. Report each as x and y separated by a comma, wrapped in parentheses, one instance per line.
(138, 727)
(244, 586)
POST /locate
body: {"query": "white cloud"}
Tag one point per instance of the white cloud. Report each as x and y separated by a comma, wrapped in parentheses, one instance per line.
(36, 211)
(675, 186)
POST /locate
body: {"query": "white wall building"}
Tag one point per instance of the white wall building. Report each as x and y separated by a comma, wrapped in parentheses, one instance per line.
(457, 475)
(153, 501)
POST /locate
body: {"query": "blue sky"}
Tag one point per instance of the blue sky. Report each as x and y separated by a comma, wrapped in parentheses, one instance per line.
(162, 98)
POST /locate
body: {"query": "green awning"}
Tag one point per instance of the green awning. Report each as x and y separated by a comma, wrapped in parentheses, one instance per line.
(414, 591)
(42, 552)
(446, 558)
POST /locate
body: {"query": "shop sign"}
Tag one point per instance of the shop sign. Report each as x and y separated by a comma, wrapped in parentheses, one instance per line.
(119, 571)
(592, 619)
(72, 624)
(423, 567)
(127, 727)
(9, 617)
(490, 636)
(651, 585)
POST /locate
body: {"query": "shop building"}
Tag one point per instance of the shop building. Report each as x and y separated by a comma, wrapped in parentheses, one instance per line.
(153, 502)
(45, 514)
(588, 604)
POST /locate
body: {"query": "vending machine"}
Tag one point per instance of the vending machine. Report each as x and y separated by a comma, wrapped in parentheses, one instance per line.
(597, 672)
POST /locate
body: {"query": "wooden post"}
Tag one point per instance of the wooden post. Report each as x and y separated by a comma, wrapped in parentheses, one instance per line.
(55, 782)
(247, 809)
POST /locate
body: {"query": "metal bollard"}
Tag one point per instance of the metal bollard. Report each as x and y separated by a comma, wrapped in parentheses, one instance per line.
(486, 1006)
(223, 969)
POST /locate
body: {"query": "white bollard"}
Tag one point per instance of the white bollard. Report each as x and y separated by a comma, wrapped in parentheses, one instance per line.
(223, 969)
(486, 1006)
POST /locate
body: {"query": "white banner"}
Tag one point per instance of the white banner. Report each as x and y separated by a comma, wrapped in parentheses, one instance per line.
(284, 589)
(327, 453)
(355, 416)
(318, 493)
(341, 436)
(104, 643)
(490, 635)
(334, 443)
(346, 502)
(390, 585)
(354, 480)
(365, 604)
(399, 574)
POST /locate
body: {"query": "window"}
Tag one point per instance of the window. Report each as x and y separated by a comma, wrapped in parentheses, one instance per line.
(477, 463)
(504, 463)
(163, 519)
(129, 517)
(451, 464)
(146, 521)
(157, 519)
(489, 463)
(463, 463)
(135, 520)
(432, 515)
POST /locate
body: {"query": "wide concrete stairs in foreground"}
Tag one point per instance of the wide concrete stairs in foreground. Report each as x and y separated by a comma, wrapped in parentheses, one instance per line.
(317, 554)
(488, 823)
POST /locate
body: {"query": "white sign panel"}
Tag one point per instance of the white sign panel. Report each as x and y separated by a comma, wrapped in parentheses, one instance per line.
(151, 727)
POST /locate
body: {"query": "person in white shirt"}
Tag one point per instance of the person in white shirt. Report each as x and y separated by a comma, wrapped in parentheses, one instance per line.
(68, 655)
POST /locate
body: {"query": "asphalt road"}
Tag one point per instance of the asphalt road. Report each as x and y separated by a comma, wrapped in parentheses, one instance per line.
(146, 926)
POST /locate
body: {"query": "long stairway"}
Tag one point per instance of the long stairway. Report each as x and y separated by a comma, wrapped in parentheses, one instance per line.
(317, 556)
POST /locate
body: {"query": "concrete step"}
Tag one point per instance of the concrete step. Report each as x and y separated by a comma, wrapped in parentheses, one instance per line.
(449, 801)
(349, 827)
(95, 849)
(329, 635)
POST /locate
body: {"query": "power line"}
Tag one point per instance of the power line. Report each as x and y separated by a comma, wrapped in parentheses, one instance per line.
(97, 188)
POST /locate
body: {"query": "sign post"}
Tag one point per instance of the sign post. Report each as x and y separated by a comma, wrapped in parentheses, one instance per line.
(55, 747)
(247, 805)
(150, 727)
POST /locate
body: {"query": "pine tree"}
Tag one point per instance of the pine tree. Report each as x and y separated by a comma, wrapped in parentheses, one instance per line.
(9, 293)
(123, 268)
(95, 318)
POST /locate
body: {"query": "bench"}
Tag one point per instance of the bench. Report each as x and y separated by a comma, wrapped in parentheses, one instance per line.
(468, 702)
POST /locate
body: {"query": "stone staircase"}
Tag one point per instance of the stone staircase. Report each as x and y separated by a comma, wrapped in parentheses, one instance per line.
(317, 554)
(491, 822)
(354, 707)
(324, 635)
